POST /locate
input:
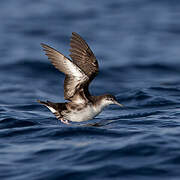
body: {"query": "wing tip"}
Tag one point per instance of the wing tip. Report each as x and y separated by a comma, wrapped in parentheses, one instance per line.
(74, 33)
(44, 45)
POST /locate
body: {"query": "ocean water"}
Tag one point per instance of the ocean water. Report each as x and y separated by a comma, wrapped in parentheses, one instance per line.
(137, 44)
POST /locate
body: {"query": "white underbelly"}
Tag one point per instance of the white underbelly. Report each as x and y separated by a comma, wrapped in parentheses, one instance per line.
(82, 115)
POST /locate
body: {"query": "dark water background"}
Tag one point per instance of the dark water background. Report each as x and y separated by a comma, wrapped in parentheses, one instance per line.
(137, 43)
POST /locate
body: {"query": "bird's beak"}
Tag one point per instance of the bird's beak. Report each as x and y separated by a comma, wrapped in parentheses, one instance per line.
(115, 102)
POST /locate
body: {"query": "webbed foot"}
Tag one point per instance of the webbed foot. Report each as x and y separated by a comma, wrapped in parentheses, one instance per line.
(64, 121)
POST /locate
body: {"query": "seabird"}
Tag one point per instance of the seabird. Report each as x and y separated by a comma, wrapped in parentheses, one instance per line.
(79, 73)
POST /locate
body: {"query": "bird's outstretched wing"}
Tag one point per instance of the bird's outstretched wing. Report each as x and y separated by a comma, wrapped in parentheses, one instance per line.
(82, 56)
(75, 77)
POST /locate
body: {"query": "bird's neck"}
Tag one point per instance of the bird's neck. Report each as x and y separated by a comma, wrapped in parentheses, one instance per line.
(99, 103)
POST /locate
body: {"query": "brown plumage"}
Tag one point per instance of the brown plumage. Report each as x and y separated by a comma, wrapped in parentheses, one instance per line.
(82, 56)
(75, 77)
(58, 107)
(78, 74)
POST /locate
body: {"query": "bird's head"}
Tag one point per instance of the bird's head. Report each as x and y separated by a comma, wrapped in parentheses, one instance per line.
(110, 99)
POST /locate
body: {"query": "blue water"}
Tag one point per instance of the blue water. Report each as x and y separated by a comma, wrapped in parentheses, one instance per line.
(137, 44)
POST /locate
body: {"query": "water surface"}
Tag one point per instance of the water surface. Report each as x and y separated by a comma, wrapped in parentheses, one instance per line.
(137, 44)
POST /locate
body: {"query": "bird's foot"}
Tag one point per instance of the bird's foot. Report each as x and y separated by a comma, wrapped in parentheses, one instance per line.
(64, 121)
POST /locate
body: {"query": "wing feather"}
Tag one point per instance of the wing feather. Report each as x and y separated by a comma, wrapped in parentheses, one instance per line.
(75, 77)
(83, 56)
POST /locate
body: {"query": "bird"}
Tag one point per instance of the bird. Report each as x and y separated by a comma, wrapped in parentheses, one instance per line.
(79, 71)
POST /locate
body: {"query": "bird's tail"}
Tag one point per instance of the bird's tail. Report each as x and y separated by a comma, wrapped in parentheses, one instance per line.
(47, 103)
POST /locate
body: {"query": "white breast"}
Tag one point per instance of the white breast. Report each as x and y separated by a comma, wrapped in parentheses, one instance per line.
(85, 114)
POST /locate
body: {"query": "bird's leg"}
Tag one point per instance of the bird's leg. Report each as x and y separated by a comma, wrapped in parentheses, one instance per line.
(64, 121)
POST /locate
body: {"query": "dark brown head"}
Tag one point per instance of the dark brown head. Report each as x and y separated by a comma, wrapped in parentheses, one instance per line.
(110, 99)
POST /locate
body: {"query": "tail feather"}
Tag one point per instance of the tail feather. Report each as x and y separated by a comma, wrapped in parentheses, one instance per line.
(53, 107)
(47, 103)
(56, 106)
(50, 105)
(43, 102)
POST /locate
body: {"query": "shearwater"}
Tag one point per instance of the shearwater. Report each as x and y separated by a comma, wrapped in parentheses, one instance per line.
(79, 73)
